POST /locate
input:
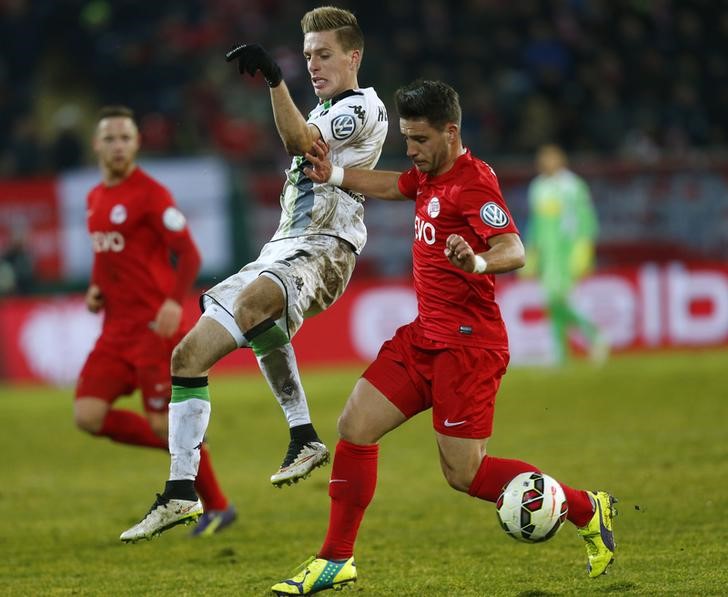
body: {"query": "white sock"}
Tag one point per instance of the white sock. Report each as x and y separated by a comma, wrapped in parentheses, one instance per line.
(188, 422)
(281, 372)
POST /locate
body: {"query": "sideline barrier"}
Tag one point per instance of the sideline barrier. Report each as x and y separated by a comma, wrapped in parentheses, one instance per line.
(676, 305)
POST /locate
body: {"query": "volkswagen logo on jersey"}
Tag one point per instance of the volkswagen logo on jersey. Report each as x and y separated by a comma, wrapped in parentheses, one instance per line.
(343, 126)
(494, 215)
(118, 214)
(433, 207)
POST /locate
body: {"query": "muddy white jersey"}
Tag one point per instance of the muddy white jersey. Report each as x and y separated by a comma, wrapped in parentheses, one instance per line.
(354, 125)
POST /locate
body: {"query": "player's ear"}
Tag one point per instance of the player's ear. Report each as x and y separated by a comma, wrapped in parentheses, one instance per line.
(452, 133)
(356, 59)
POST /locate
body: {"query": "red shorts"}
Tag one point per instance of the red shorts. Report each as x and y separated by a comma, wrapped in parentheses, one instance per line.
(118, 365)
(459, 383)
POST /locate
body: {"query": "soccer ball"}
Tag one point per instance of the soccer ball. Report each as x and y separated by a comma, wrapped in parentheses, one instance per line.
(532, 507)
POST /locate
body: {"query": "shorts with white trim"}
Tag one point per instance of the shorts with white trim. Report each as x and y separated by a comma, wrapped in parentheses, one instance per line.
(312, 271)
(459, 383)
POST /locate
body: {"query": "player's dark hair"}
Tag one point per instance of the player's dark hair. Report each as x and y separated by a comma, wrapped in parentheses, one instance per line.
(116, 111)
(331, 18)
(434, 101)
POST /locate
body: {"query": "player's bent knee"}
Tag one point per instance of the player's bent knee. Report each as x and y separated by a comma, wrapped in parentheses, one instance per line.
(459, 480)
(261, 300)
(352, 431)
(159, 424)
(90, 422)
(182, 360)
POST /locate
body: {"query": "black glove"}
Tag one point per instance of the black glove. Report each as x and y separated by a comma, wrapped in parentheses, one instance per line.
(254, 57)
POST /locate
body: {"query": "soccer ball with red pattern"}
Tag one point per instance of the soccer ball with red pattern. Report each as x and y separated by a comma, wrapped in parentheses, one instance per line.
(532, 507)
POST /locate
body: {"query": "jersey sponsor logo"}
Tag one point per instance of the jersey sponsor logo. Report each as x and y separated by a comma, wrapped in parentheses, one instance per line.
(118, 214)
(102, 242)
(433, 207)
(343, 126)
(173, 219)
(494, 215)
(424, 231)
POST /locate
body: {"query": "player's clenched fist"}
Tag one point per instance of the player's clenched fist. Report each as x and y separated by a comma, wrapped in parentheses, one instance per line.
(254, 57)
(460, 253)
(321, 167)
(168, 318)
(94, 299)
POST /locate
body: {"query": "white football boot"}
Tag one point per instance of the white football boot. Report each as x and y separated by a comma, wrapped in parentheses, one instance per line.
(300, 460)
(164, 514)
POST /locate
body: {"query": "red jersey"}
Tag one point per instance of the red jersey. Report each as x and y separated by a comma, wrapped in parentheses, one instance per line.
(135, 229)
(455, 307)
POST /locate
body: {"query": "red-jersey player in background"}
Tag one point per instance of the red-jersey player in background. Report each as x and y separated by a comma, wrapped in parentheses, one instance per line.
(452, 357)
(136, 231)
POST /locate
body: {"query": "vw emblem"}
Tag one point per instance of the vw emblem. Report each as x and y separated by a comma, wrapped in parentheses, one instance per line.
(494, 215)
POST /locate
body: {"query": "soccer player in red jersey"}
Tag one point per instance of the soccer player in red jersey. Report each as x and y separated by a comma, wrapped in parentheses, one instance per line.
(452, 357)
(135, 230)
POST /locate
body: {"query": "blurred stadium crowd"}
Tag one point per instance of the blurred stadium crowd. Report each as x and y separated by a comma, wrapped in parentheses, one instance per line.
(640, 79)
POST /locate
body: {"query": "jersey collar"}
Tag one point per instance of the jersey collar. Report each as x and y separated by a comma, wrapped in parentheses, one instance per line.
(341, 96)
(457, 165)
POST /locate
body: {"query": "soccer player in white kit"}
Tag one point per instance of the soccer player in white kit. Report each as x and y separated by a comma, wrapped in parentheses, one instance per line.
(302, 270)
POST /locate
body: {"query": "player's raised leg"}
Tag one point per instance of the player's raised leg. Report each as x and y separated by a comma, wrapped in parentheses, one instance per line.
(189, 415)
(590, 512)
(257, 308)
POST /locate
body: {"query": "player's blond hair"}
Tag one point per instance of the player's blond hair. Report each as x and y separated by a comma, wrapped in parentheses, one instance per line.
(331, 18)
(116, 111)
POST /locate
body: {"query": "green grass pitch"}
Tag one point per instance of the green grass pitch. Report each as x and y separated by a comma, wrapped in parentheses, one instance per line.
(652, 429)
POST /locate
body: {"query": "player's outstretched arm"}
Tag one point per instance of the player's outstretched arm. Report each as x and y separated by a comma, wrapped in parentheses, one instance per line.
(297, 135)
(373, 183)
(505, 254)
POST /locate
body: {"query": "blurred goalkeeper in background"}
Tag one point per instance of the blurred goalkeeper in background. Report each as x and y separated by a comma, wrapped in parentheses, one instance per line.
(135, 229)
(562, 230)
(302, 270)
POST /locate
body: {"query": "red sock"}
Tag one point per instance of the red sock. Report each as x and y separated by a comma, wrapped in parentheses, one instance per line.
(581, 508)
(494, 473)
(206, 484)
(128, 427)
(351, 488)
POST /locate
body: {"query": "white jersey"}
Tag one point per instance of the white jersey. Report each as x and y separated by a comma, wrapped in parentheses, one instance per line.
(354, 125)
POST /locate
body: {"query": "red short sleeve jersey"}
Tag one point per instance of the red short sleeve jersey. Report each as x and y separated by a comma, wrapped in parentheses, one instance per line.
(456, 307)
(135, 229)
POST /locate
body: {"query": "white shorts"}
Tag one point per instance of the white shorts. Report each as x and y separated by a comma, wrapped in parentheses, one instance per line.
(312, 272)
